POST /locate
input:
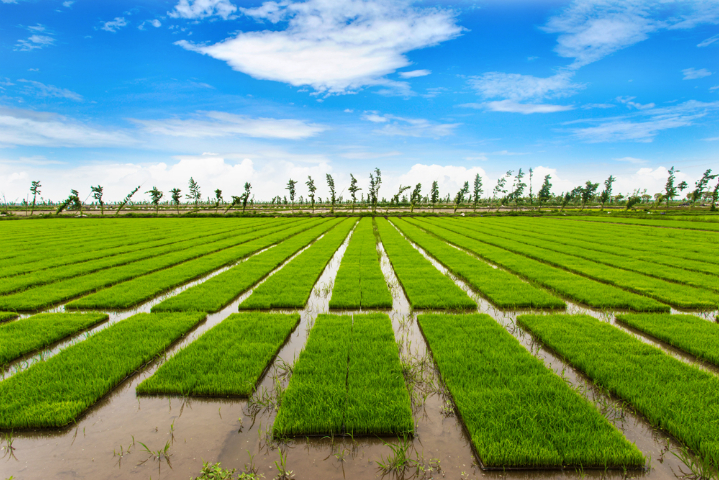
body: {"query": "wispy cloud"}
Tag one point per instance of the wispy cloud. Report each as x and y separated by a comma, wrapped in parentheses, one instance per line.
(222, 124)
(333, 47)
(198, 9)
(40, 38)
(708, 41)
(633, 160)
(410, 127)
(628, 101)
(415, 73)
(41, 90)
(155, 23)
(513, 89)
(693, 73)
(511, 106)
(114, 25)
(68, 3)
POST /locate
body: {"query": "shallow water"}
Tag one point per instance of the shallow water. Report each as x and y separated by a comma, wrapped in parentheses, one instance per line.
(229, 430)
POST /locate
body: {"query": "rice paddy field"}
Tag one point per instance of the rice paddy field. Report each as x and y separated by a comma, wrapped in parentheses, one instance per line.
(330, 347)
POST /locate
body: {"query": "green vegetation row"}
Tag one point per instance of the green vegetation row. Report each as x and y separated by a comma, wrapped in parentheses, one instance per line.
(292, 285)
(654, 223)
(649, 252)
(681, 296)
(424, 285)
(33, 333)
(56, 392)
(679, 398)
(51, 294)
(348, 379)
(137, 290)
(360, 282)
(60, 257)
(6, 316)
(143, 251)
(517, 411)
(501, 288)
(220, 290)
(686, 332)
(227, 360)
(570, 285)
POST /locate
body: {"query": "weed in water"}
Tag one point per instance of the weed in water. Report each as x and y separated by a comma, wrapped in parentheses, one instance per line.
(281, 466)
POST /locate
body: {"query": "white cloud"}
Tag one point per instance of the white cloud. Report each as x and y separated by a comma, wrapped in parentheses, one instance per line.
(114, 25)
(348, 110)
(450, 178)
(524, 108)
(30, 128)
(514, 86)
(42, 90)
(155, 23)
(597, 105)
(631, 160)
(68, 3)
(197, 9)
(221, 124)
(362, 155)
(415, 73)
(36, 40)
(628, 102)
(590, 30)
(708, 41)
(712, 139)
(410, 127)
(333, 47)
(693, 73)
(373, 117)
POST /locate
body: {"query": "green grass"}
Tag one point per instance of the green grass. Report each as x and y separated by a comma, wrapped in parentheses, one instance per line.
(685, 332)
(51, 294)
(227, 360)
(501, 288)
(315, 401)
(518, 412)
(573, 286)
(143, 288)
(292, 285)
(56, 392)
(424, 285)
(679, 398)
(220, 290)
(6, 316)
(348, 379)
(36, 332)
(360, 282)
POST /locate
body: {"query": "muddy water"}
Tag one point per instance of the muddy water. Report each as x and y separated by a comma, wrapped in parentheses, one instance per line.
(105, 443)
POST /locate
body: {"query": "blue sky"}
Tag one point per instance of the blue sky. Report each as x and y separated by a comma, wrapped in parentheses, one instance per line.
(153, 92)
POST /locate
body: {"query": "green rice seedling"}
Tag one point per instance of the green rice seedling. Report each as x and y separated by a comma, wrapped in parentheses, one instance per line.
(315, 401)
(360, 282)
(501, 288)
(227, 360)
(679, 398)
(291, 286)
(625, 272)
(39, 331)
(143, 288)
(7, 316)
(424, 285)
(517, 411)
(570, 285)
(56, 392)
(685, 332)
(684, 225)
(220, 290)
(377, 398)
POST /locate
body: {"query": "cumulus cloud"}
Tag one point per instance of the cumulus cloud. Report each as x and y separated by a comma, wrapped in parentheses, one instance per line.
(114, 25)
(450, 178)
(222, 124)
(410, 127)
(41, 90)
(334, 47)
(19, 127)
(693, 73)
(198, 9)
(415, 73)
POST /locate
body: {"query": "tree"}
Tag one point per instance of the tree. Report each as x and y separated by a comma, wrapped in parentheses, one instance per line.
(97, 193)
(459, 198)
(715, 197)
(395, 199)
(353, 190)
(291, 187)
(569, 196)
(72, 201)
(415, 197)
(156, 196)
(518, 188)
(683, 186)
(500, 188)
(633, 200)
(434, 193)
(126, 200)
(606, 194)
(545, 192)
(331, 185)
(531, 195)
(477, 193)
(246, 196)
(218, 199)
(670, 191)
(588, 192)
(701, 185)
(35, 190)
(311, 186)
(375, 181)
(176, 197)
(194, 194)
